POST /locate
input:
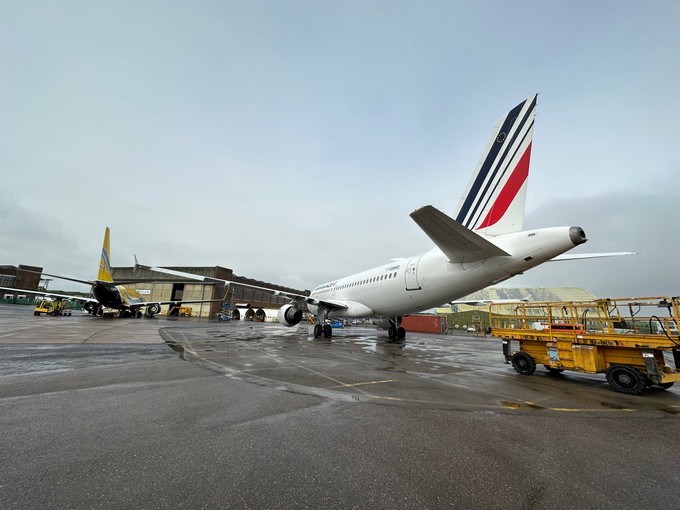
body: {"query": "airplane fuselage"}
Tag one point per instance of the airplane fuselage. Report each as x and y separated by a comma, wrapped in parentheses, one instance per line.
(421, 282)
(115, 296)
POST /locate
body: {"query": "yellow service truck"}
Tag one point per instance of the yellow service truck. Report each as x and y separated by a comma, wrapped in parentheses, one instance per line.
(633, 341)
(52, 307)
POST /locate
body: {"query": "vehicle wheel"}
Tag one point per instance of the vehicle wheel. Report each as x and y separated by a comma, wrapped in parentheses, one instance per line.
(523, 363)
(392, 332)
(318, 330)
(37, 314)
(553, 370)
(625, 379)
(401, 333)
(327, 331)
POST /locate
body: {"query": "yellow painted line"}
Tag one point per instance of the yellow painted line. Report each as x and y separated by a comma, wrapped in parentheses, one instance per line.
(530, 406)
(362, 384)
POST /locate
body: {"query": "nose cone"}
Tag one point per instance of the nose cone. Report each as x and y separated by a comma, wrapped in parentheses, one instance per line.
(577, 235)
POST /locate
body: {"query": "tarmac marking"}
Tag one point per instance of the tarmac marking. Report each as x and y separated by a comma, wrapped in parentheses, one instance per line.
(525, 405)
(361, 384)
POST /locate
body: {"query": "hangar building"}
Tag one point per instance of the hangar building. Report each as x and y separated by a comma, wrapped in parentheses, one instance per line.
(15, 277)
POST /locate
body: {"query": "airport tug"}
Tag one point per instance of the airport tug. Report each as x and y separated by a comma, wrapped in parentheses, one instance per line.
(634, 341)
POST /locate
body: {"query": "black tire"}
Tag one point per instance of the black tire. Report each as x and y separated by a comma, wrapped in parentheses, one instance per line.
(392, 332)
(318, 330)
(553, 370)
(327, 331)
(401, 333)
(523, 363)
(626, 379)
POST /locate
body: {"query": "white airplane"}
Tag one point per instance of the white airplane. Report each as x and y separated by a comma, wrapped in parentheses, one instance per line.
(483, 244)
(107, 292)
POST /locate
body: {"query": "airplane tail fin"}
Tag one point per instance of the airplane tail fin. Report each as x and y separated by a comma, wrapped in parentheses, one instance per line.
(493, 202)
(105, 262)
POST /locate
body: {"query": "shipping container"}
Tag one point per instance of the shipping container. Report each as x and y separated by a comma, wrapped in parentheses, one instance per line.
(424, 324)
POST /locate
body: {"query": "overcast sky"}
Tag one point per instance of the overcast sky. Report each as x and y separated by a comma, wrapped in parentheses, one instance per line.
(290, 140)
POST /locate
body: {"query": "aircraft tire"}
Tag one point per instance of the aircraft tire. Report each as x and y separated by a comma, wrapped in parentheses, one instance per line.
(401, 333)
(318, 330)
(392, 332)
(327, 331)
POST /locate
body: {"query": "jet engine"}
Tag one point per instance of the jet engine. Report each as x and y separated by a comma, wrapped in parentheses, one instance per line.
(289, 315)
(90, 307)
(152, 310)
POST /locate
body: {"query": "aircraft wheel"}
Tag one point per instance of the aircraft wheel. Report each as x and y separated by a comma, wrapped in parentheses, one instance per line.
(523, 363)
(625, 379)
(392, 332)
(327, 331)
(318, 329)
(401, 333)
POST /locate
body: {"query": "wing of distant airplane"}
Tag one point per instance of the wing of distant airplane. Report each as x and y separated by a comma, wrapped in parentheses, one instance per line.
(51, 294)
(482, 302)
(459, 243)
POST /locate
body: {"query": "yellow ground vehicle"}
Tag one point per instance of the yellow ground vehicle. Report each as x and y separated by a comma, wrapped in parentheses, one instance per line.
(52, 307)
(181, 311)
(634, 341)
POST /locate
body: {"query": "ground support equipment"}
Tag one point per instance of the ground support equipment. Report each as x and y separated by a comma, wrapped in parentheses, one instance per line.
(634, 341)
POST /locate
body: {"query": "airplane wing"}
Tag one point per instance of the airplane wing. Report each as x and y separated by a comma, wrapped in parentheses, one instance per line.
(51, 294)
(77, 280)
(178, 301)
(482, 302)
(332, 304)
(458, 243)
(576, 256)
(191, 276)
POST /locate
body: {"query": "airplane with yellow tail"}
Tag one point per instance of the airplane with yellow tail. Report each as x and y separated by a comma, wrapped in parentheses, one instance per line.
(109, 293)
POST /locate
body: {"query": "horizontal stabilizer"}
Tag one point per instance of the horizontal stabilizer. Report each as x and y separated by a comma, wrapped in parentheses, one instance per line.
(458, 243)
(50, 295)
(576, 256)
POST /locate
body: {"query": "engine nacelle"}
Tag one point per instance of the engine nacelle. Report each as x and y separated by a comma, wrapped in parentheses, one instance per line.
(90, 307)
(289, 315)
(152, 310)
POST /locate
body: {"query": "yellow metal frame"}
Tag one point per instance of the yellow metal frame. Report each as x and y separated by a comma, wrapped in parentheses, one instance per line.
(592, 336)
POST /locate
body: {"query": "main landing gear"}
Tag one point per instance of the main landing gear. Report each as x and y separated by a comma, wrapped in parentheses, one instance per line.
(395, 332)
(321, 328)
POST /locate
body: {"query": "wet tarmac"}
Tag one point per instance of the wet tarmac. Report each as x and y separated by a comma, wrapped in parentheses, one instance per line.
(437, 371)
(99, 413)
